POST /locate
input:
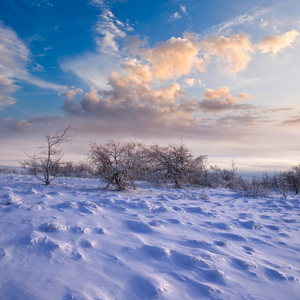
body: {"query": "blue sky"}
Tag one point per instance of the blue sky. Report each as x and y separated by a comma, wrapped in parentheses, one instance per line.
(221, 75)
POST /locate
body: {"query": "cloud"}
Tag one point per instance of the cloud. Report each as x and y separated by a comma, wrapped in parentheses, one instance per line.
(14, 60)
(132, 102)
(201, 83)
(263, 24)
(93, 68)
(70, 94)
(176, 15)
(7, 88)
(110, 30)
(234, 50)
(174, 58)
(291, 122)
(20, 126)
(98, 2)
(14, 55)
(221, 99)
(137, 72)
(133, 43)
(7, 120)
(228, 26)
(277, 43)
(183, 9)
(133, 105)
(190, 81)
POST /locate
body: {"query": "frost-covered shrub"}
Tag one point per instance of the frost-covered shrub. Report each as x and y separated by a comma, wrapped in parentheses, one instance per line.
(253, 187)
(283, 182)
(223, 178)
(282, 186)
(215, 177)
(266, 180)
(174, 164)
(118, 164)
(81, 170)
(292, 178)
(9, 170)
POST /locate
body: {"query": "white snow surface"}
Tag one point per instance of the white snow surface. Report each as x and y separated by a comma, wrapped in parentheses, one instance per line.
(75, 240)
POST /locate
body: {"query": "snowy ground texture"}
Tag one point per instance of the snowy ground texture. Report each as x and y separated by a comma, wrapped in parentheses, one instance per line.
(74, 240)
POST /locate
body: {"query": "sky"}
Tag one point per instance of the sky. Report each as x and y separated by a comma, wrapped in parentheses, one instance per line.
(221, 76)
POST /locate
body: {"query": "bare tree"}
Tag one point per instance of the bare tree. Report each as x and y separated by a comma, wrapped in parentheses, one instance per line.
(174, 164)
(46, 166)
(118, 164)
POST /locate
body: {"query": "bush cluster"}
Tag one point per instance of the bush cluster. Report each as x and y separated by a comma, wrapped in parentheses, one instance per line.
(119, 165)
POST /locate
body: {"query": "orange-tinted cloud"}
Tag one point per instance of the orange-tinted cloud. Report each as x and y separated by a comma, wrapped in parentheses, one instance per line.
(277, 43)
(220, 99)
(292, 122)
(20, 126)
(137, 72)
(190, 81)
(175, 57)
(234, 50)
(70, 94)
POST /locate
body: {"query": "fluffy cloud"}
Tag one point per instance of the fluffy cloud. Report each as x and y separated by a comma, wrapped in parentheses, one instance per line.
(235, 50)
(166, 60)
(277, 43)
(133, 105)
(175, 57)
(131, 100)
(221, 99)
(70, 94)
(137, 72)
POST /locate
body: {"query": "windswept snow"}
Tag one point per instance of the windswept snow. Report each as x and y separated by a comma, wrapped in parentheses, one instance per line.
(74, 240)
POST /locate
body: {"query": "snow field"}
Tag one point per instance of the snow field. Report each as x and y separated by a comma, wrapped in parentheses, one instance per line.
(74, 240)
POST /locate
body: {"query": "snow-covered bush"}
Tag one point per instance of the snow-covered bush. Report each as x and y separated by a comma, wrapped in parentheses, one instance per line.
(9, 170)
(118, 164)
(81, 169)
(253, 187)
(292, 178)
(223, 178)
(174, 164)
(287, 181)
(282, 184)
(215, 177)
